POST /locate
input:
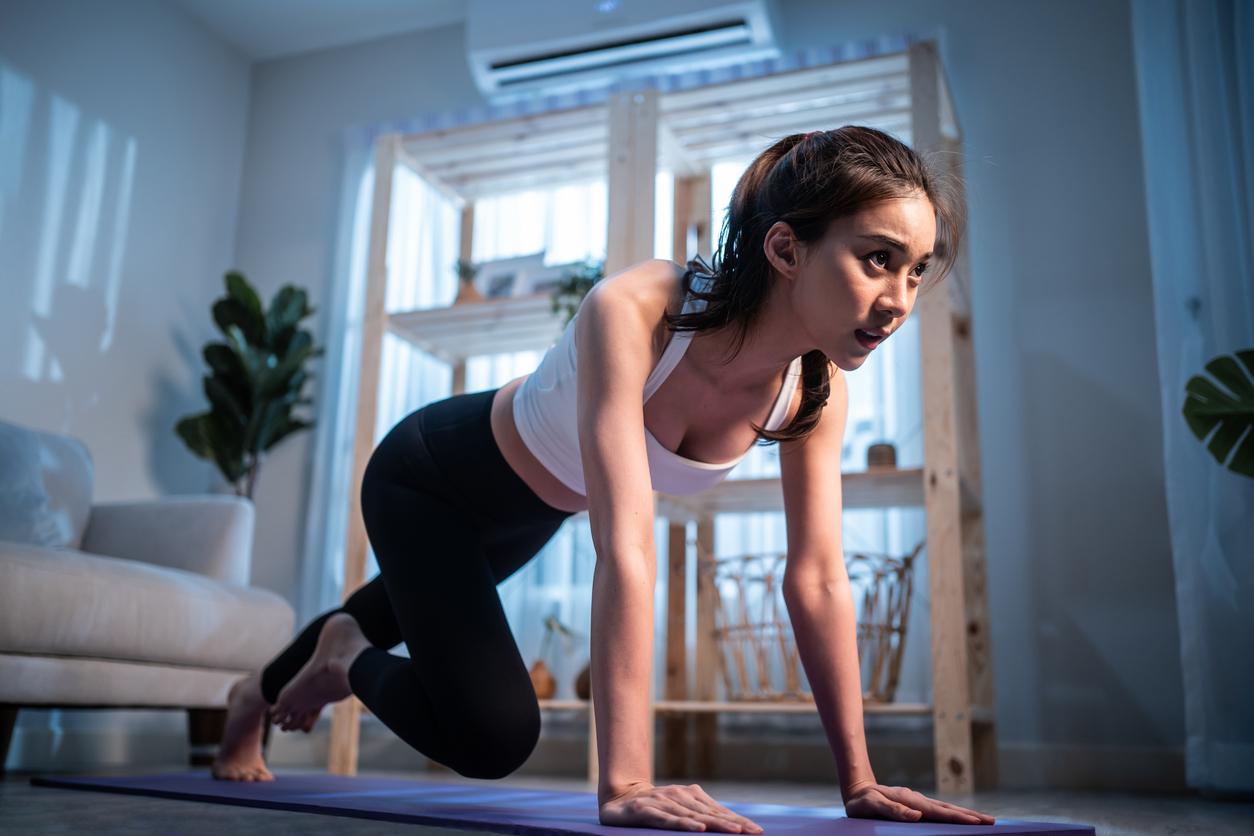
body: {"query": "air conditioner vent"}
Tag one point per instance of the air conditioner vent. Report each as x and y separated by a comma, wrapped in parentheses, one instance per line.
(521, 48)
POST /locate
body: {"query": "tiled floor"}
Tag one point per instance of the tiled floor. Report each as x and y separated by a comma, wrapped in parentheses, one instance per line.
(33, 810)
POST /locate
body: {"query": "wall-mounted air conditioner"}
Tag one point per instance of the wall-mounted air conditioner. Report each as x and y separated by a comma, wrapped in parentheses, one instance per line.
(518, 48)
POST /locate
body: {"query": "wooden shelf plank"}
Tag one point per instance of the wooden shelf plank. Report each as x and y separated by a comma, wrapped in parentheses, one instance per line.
(699, 137)
(565, 705)
(847, 75)
(795, 99)
(764, 707)
(492, 326)
(748, 146)
(859, 489)
(708, 707)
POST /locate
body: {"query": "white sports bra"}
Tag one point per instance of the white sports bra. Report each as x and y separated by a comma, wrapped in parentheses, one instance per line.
(544, 412)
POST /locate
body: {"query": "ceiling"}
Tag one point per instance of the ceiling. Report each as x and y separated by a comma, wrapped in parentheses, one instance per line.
(279, 28)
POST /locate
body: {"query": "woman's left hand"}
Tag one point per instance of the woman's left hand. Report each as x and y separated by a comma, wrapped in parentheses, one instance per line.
(876, 801)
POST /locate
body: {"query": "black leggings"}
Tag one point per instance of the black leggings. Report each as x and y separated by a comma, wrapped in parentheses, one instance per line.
(448, 519)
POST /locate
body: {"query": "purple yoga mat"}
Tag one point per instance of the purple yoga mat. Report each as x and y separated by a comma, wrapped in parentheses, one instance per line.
(497, 808)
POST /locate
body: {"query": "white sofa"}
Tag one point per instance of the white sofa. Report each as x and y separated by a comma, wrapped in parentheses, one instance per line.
(123, 604)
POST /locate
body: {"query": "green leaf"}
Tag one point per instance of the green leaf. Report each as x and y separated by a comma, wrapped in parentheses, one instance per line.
(1226, 407)
(271, 411)
(297, 382)
(191, 429)
(224, 438)
(286, 309)
(286, 428)
(254, 359)
(229, 371)
(277, 380)
(231, 312)
(238, 288)
(223, 360)
(221, 398)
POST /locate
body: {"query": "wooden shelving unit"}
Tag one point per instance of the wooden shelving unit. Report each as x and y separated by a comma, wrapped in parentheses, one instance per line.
(624, 140)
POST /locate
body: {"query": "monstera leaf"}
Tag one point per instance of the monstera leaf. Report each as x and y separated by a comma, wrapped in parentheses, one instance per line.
(255, 381)
(1225, 406)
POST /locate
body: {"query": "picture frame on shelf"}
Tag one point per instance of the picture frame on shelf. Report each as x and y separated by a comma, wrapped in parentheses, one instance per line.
(502, 278)
(543, 279)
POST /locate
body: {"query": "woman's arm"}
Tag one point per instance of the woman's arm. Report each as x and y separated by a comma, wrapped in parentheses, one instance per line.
(821, 608)
(825, 625)
(614, 342)
(614, 338)
(816, 585)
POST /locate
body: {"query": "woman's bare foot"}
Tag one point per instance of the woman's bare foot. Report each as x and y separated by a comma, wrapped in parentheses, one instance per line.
(239, 755)
(324, 678)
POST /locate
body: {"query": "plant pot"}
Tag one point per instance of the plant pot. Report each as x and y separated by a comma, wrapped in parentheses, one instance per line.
(467, 292)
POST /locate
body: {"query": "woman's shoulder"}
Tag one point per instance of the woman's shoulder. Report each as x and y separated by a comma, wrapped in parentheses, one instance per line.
(648, 289)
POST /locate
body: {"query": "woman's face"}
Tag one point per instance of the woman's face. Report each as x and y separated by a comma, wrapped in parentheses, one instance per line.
(855, 284)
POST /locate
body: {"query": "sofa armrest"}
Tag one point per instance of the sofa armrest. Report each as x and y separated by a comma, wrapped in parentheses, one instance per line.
(209, 535)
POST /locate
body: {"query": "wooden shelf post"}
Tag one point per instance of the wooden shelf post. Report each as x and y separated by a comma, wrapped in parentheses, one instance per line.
(954, 540)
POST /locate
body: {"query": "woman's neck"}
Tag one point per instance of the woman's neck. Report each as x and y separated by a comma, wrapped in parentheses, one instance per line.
(768, 349)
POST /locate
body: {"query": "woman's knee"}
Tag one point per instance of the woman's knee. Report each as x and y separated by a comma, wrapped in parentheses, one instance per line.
(499, 747)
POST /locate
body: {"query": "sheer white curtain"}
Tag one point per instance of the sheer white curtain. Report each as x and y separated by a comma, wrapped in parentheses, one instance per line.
(1195, 77)
(322, 563)
(420, 257)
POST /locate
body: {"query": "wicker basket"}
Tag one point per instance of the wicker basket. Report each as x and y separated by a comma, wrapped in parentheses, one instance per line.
(757, 654)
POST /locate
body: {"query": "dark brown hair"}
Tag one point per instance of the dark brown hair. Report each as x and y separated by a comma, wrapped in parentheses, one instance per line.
(808, 181)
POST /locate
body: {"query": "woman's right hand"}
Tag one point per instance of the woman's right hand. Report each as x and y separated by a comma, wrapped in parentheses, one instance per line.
(673, 807)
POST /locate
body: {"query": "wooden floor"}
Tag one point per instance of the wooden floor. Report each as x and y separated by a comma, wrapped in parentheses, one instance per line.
(32, 810)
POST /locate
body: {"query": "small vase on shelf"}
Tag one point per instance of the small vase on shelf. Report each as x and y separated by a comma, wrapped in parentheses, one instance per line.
(542, 680)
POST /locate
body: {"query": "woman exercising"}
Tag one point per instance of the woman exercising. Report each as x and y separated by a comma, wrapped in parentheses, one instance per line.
(660, 382)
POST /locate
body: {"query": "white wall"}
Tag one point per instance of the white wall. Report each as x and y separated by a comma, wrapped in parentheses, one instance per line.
(122, 132)
(1080, 584)
(121, 153)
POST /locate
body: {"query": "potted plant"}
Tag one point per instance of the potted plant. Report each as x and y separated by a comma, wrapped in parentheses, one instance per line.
(569, 292)
(255, 381)
(466, 290)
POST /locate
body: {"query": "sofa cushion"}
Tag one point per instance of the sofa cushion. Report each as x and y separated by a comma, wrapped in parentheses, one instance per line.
(45, 487)
(66, 680)
(64, 602)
